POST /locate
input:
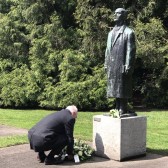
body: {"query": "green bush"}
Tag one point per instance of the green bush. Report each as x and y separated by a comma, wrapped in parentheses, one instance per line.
(52, 52)
(88, 94)
(18, 88)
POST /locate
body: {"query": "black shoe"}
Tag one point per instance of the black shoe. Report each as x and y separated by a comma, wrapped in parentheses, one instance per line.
(53, 161)
(68, 160)
(41, 157)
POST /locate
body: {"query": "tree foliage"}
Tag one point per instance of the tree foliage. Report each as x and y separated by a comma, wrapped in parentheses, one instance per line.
(52, 52)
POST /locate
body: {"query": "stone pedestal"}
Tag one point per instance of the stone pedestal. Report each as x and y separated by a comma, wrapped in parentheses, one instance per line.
(119, 139)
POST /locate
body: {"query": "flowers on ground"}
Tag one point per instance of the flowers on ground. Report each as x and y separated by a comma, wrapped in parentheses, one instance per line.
(81, 149)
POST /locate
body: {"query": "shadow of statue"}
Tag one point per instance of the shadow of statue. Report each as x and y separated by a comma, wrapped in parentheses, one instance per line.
(100, 146)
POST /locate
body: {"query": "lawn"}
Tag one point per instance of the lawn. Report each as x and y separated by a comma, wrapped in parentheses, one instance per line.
(157, 132)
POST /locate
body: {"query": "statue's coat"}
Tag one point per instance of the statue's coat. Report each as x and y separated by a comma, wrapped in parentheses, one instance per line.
(119, 62)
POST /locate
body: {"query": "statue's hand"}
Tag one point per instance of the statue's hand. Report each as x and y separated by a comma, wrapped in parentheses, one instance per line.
(127, 71)
(105, 68)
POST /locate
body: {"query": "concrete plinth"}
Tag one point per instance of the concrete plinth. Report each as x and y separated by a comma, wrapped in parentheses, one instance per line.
(119, 139)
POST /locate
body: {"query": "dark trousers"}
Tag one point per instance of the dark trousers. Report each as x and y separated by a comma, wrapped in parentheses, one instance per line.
(58, 144)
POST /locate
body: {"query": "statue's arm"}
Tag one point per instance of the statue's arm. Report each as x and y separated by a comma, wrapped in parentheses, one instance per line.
(131, 51)
(106, 55)
(107, 52)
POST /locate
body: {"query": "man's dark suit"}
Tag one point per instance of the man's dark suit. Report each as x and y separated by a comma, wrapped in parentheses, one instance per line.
(55, 131)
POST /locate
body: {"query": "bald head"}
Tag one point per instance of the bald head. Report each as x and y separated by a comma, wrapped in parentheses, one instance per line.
(74, 111)
(121, 10)
(120, 15)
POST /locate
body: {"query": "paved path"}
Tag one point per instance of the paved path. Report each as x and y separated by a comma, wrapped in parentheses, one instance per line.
(7, 131)
(22, 157)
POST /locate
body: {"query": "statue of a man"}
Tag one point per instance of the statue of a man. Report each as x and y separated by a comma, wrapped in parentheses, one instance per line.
(119, 61)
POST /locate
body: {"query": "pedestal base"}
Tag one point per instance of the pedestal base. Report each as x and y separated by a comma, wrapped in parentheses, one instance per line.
(119, 139)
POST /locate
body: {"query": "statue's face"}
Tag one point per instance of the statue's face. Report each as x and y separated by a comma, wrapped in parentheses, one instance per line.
(119, 15)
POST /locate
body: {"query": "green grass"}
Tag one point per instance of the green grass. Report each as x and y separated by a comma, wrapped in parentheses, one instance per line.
(12, 140)
(157, 131)
(27, 118)
(157, 127)
(21, 118)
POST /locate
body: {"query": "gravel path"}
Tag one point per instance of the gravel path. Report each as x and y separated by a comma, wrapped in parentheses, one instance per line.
(7, 130)
(22, 157)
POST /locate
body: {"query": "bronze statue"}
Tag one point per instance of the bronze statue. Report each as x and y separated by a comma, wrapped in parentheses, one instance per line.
(119, 61)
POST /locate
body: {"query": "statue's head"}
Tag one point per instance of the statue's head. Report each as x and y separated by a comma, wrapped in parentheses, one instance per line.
(120, 15)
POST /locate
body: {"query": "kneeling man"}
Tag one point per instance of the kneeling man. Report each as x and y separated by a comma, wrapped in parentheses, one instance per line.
(54, 132)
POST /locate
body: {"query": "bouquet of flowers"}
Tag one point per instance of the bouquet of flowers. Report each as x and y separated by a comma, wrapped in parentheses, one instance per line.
(82, 151)
(114, 113)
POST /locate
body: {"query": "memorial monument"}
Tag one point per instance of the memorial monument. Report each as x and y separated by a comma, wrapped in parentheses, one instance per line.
(119, 62)
(123, 137)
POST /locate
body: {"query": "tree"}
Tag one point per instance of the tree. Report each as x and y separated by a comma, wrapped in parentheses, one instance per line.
(58, 47)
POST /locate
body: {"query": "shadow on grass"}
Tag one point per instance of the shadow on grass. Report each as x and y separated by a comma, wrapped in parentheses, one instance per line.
(163, 152)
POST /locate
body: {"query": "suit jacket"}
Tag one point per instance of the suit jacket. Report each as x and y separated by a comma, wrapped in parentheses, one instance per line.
(45, 132)
(119, 58)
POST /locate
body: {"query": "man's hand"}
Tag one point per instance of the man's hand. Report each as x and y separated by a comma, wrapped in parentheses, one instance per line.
(70, 157)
